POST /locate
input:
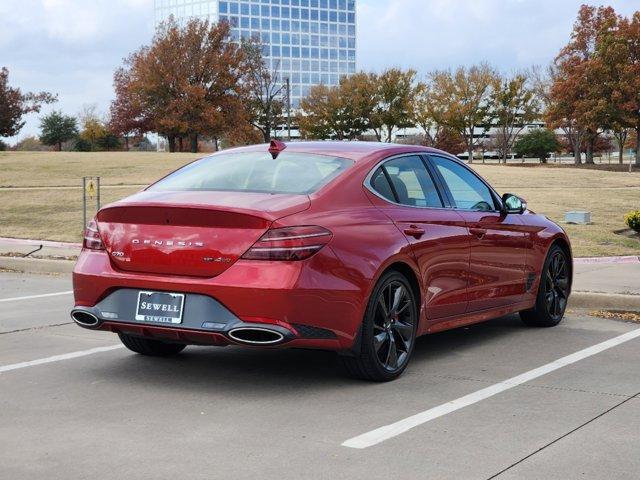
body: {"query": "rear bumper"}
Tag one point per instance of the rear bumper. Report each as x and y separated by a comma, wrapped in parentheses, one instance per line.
(306, 302)
(207, 333)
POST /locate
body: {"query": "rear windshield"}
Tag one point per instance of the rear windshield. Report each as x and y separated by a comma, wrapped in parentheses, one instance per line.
(297, 173)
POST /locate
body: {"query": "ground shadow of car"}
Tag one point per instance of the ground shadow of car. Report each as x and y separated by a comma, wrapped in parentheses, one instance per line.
(282, 372)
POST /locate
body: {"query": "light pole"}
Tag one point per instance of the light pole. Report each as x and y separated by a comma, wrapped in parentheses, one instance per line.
(288, 86)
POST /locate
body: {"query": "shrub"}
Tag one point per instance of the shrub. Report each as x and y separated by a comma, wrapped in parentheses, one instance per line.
(3, 146)
(633, 220)
(537, 143)
(82, 145)
(31, 144)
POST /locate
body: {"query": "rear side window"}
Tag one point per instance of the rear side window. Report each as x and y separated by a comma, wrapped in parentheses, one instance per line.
(405, 180)
(296, 173)
(467, 190)
(381, 185)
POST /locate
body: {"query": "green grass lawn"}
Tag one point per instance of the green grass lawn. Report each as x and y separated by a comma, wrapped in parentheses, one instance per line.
(56, 213)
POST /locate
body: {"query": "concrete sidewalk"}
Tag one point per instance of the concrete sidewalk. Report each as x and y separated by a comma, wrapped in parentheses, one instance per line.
(619, 278)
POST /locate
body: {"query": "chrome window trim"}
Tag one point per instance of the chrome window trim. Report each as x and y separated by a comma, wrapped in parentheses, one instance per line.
(368, 186)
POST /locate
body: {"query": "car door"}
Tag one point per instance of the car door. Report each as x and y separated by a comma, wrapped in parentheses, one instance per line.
(497, 240)
(438, 235)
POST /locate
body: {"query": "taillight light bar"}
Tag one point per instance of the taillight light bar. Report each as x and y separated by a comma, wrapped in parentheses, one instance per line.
(289, 243)
(92, 239)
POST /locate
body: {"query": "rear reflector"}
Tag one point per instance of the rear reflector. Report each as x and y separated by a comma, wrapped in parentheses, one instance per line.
(289, 243)
(92, 238)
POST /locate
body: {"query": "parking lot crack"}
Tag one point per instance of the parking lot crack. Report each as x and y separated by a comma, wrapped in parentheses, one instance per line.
(545, 387)
(558, 439)
(463, 378)
(36, 328)
(577, 390)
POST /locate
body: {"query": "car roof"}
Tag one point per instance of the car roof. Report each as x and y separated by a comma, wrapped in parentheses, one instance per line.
(352, 150)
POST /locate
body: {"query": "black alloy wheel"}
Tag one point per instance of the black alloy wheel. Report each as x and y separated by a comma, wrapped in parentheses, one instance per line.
(393, 326)
(388, 331)
(553, 291)
(556, 285)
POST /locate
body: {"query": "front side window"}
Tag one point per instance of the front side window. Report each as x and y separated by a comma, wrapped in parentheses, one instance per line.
(467, 190)
(405, 180)
(296, 173)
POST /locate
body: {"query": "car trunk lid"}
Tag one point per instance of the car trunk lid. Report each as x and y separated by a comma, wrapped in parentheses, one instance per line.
(189, 233)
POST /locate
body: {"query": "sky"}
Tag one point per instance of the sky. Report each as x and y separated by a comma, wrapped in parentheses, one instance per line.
(72, 47)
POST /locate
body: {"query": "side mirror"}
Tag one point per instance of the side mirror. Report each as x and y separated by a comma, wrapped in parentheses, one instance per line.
(513, 204)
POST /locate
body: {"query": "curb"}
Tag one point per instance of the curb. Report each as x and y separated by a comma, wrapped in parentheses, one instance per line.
(36, 265)
(614, 301)
(606, 260)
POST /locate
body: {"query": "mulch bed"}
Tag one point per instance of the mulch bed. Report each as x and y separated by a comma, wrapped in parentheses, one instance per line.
(627, 232)
(622, 315)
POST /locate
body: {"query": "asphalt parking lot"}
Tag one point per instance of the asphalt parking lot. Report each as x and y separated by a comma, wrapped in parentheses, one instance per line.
(69, 409)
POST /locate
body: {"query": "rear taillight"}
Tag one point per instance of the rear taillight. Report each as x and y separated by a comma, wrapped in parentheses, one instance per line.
(289, 243)
(92, 239)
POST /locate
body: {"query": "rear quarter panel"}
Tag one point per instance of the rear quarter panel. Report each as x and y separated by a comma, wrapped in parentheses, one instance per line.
(365, 240)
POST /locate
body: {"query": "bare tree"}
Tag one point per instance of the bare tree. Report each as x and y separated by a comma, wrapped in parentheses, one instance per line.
(265, 89)
(557, 113)
(462, 101)
(515, 105)
(621, 134)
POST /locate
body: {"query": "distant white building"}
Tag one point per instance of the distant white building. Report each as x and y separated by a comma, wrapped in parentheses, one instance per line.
(309, 41)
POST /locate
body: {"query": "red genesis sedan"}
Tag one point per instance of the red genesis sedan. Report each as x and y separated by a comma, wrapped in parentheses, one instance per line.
(353, 247)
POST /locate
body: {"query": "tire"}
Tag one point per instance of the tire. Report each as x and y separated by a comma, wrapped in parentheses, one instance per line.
(553, 291)
(388, 331)
(152, 348)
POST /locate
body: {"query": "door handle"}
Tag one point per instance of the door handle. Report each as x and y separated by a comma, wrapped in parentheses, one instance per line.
(414, 231)
(478, 232)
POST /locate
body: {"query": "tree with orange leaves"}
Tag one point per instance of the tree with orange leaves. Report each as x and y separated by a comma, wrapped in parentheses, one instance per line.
(14, 105)
(186, 84)
(127, 113)
(627, 96)
(580, 90)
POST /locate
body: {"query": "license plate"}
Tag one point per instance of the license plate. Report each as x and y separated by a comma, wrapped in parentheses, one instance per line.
(160, 307)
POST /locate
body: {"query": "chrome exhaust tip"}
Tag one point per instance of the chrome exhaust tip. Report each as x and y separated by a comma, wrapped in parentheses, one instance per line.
(256, 336)
(85, 319)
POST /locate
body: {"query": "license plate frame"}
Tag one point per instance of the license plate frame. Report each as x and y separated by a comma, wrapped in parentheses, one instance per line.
(171, 315)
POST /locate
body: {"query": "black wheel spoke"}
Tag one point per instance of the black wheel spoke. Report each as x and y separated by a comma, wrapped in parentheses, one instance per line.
(379, 340)
(398, 295)
(404, 307)
(404, 330)
(402, 344)
(392, 354)
(389, 298)
(382, 306)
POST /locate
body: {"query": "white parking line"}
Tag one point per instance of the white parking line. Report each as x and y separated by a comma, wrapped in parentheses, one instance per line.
(58, 358)
(393, 430)
(29, 297)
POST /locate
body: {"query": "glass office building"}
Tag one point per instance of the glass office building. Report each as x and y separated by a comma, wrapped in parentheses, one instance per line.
(308, 41)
